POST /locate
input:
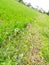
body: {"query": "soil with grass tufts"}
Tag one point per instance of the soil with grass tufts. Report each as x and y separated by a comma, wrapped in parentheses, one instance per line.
(22, 48)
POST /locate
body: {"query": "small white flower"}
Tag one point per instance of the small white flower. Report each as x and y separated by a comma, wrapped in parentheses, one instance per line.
(21, 55)
(16, 30)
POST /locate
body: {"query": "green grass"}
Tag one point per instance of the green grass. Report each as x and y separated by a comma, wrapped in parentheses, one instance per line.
(13, 15)
(22, 28)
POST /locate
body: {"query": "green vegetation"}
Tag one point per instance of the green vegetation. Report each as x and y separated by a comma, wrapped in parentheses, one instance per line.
(12, 15)
(24, 35)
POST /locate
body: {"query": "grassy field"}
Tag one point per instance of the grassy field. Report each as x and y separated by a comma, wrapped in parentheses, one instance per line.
(13, 15)
(24, 35)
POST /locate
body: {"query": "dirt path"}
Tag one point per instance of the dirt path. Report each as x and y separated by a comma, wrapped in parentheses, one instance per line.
(35, 57)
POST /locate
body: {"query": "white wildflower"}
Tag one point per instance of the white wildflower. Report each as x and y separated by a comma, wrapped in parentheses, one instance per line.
(21, 55)
(16, 30)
